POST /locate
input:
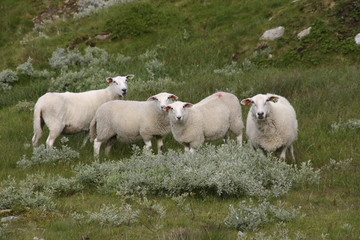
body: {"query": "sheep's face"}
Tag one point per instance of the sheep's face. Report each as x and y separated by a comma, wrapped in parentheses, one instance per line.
(177, 110)
(261, 105)
(163, 99)
(119, 84)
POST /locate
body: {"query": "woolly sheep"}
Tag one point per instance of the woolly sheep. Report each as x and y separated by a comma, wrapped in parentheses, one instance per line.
(271, 123)
(131, 121)
(209, 120)
(70, 113)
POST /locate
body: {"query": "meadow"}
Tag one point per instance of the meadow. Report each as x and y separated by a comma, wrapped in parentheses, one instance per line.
(191, 49)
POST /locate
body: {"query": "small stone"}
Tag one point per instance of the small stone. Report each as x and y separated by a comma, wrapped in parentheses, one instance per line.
(273, 34)
(357, 39)
(304, 33)
(102, 37)
(9, 218)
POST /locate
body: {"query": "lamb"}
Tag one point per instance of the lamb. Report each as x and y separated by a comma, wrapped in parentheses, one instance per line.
(131, 121)
(69, 113)
(209, 120)
(271, 123)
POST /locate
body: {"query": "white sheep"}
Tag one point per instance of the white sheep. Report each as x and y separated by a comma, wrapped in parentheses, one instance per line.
(271, 123)
(209, 120)
(70, 112)
(131, 121)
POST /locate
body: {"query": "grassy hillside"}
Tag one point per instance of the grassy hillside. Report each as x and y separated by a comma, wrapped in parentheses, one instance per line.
(191, 49)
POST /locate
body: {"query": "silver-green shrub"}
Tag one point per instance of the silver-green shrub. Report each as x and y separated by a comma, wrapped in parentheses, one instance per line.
(250, 216)
(229, 69)
(223, 170)
(113, 215)
(7, 78)
(85, 79)
(26, 193)
(43, 155)
(24, 106)
(351, 124)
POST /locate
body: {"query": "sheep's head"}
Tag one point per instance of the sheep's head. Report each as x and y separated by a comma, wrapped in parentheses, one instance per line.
(261, 104)
(119, 84)
(177, 110)
(163, 99)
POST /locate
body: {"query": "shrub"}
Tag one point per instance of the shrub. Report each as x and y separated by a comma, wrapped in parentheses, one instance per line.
(43, 155)
(7, 77)
(24, 106)
(26, 193)
(351, 124)
(224, 170)
(112, 215)
(250, 217)
(26, 68)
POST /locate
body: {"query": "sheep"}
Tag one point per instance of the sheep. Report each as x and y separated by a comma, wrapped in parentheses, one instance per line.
(131, 121)
(209, 120)
(69, 113)
(271, 123)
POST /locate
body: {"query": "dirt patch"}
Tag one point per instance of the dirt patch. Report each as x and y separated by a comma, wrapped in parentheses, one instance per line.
(57, 9)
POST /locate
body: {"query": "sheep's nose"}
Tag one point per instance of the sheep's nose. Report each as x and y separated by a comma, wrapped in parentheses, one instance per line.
(260, 115)
(124, 90)
(178, 118)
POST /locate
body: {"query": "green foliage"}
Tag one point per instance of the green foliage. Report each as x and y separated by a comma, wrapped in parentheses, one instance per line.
(224, 170)
(7, 78)
(250, 217)
(116, 216)
(44, 155)
(135, 20)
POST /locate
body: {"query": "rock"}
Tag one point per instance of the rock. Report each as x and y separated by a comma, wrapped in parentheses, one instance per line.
(240, 234)
(304, 33)
(273, 34)
(9, 218)
(357, 39)
(102, 37)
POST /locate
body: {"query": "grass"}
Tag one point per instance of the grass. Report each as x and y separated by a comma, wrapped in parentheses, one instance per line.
(322, 86)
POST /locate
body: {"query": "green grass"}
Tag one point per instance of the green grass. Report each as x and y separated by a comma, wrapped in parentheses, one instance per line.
(323, 87)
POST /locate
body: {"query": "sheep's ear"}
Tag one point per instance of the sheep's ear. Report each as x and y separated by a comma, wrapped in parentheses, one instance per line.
(274, 99)
(173, 97)
(109, 80)
(152, 99)
(246, 101)
(167, 108)
(131, 76)
(188, 105)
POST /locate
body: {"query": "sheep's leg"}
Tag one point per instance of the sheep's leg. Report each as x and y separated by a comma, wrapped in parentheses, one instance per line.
(160, 144)
(52, 136)
(86, 138)
(109, 144)
(148, 144)
(192, 150)
(239, 139)
(283, 152)
(97, 145)
(292, 152)
(226, 137)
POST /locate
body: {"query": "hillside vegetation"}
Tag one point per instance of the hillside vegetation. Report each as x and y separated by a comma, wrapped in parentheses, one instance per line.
(191, 49)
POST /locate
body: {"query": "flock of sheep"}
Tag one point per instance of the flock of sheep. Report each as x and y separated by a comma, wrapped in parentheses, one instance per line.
(271, 121)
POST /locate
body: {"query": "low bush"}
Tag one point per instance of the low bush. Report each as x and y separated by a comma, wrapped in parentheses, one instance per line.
(223, 170)
(7, 78)
(249, 216)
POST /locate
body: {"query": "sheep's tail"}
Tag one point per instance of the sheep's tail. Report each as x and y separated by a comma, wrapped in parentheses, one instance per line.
(93, 129)
(38, 126)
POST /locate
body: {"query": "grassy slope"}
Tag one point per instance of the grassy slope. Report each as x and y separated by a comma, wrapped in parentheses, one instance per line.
(321, 96)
